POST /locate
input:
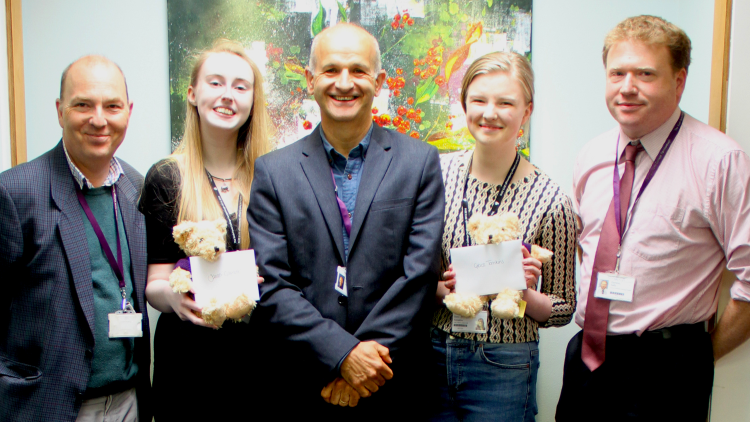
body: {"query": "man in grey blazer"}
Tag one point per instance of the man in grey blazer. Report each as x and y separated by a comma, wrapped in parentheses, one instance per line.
(357, 201)
(60, 357)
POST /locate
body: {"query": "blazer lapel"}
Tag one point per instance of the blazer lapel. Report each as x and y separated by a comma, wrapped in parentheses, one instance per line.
(376, 164)
(136, 235)
(72, 232)
(318, 172)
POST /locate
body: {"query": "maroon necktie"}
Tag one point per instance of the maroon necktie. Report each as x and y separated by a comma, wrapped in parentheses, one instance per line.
(597, 310)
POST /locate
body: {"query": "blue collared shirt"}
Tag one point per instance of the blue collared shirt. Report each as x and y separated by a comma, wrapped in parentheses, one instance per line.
(347, 173)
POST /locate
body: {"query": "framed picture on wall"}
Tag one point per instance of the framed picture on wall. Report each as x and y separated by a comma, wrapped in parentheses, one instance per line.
(426, 46)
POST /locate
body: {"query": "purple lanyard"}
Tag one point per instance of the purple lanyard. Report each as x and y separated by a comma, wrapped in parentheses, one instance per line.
(649, 175)
(116, 264)
(342, 208)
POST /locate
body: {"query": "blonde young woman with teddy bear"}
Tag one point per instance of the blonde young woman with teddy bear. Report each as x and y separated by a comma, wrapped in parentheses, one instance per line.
(499, 362)
(208, 177)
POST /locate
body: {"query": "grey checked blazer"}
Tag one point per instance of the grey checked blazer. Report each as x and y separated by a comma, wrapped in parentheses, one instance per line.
(47, 299)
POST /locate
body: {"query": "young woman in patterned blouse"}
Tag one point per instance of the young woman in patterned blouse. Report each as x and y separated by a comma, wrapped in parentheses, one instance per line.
(492, 375)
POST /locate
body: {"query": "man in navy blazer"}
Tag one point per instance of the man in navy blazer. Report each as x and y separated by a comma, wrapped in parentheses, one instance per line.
(57, 362)
(354, 200)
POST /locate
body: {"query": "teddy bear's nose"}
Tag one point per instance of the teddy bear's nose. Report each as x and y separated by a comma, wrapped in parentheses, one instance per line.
(490, 238)
(216, 249)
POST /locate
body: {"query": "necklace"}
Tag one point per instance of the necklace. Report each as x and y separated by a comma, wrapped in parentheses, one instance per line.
(224, 187)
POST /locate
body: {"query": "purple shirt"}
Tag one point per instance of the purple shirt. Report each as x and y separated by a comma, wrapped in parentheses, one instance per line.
(692, 221)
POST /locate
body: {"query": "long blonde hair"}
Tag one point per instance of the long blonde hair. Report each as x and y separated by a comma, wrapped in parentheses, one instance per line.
(196, 201)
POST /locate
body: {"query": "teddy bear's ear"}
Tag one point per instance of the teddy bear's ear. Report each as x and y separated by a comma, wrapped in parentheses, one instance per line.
(182, 231)
(474, 223)
(221, 225)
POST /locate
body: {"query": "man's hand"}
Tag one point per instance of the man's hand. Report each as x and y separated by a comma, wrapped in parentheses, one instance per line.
(339, 393)
(733, 328)
(366, 369)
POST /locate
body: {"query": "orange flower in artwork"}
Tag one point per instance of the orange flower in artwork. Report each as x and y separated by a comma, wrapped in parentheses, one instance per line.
(397, 121)
(394, 25)
(417, 119)
(399, 71)
(449, 125)
(410, 22)
(405, 17)
(414, 135)
(417, 72)
(402, 129)
(396, 93)
(385, 119)
(397, 17)
(440, 81)
(401, 82)
(410, 100)
(401, 110)
(425, 75)
(374, 110)
(307, 125)
(410, 114)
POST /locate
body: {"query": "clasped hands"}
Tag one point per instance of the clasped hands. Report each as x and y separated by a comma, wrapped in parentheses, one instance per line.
(363, 372)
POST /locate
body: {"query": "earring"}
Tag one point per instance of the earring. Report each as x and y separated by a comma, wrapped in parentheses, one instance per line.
(521, 143)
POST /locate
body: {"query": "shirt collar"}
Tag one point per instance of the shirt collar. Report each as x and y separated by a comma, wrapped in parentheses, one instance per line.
(115, 171)
(653, 141)
(359, 151)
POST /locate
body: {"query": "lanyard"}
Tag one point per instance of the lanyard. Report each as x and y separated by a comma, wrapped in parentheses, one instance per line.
(235, 240)
(649, 175)
(342, 208)
(116, 264)
(498, 198)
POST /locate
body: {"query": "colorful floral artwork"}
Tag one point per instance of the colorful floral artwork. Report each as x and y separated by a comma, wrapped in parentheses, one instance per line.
(426, 46)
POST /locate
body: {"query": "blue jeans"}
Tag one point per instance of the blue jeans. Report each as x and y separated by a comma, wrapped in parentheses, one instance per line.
(482, 381)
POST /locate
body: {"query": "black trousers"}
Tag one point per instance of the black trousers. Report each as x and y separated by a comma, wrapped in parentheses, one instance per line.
(664, 375)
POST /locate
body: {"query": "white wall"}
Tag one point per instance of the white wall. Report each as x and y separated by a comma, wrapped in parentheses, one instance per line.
(569, 109)
(4, 109)
(132, 33)
(731, 379)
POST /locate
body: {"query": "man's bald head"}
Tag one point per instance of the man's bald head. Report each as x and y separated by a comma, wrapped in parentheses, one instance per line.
(91, 60)
(341, 30)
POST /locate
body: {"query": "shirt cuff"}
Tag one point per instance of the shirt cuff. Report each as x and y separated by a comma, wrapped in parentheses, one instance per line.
(740, 291)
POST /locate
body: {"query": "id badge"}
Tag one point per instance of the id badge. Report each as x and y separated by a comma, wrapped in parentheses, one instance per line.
(613, 286)
(125, 324)
(476, 325)
(340, 284)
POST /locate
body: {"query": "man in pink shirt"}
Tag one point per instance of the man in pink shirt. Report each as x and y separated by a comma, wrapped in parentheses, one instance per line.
(644, 352)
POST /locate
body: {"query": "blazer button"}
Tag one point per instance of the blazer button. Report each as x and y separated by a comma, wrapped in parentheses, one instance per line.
(349, 176)
(342, 300)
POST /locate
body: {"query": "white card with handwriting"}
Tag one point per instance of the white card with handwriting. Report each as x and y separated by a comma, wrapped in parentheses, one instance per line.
(489, 269)
(231, 274)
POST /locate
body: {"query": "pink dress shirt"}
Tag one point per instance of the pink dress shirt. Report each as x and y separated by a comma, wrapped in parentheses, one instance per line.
(691, 222)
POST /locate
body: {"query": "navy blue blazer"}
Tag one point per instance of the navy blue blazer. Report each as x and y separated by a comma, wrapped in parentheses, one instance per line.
(393, 265)
(47, 300)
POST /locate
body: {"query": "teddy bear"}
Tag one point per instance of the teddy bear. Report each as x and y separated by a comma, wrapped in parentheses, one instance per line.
(207, 239)
(487, 230)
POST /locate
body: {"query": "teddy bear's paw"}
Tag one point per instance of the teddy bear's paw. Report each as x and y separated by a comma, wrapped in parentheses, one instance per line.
(241, 306)
(505, 304)
(213, 313)
(542, 254)
(465, 305)
(180, 281)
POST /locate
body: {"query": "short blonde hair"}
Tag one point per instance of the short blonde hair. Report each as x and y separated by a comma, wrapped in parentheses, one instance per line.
(652, 30)
(500, 61)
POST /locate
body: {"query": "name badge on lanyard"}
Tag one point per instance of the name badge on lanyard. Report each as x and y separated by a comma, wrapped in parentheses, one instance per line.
(125, 322)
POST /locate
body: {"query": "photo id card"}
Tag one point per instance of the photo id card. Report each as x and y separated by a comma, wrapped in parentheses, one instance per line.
(340, 284)
(614, 286)
(125, 324)
(477, 325)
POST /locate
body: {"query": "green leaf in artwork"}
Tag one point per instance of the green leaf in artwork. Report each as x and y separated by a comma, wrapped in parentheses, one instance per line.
(317, 22)
(453, 8)
(444, 16)
(484, 12)
(429, 92)
(342, 12)
(294, 49)
(489, 3)
(424, 87)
